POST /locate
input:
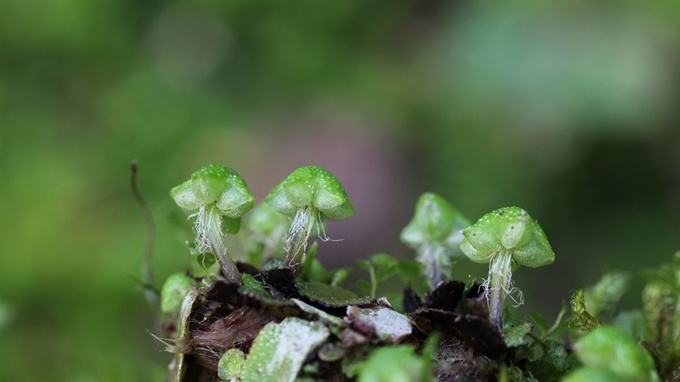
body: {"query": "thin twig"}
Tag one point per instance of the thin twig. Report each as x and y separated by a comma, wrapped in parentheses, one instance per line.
(147, 263)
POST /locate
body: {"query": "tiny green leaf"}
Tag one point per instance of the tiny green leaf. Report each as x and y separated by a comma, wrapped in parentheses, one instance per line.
(581, 318)
(339, 276)
(515, 335)
(174, 290)
(329, 295)
(231, 364)
(206, 260)
(254, 289)
(364, 264)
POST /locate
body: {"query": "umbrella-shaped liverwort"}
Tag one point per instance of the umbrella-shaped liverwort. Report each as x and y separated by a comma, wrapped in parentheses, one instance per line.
(216, 197)
(309, 195)
(435, 232)
(505, 238)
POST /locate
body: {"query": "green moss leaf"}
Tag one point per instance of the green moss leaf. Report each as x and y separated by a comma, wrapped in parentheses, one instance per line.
(515, 335)
(231, 364)
(613, 348)
(174, 290)
(603, 296)
(329, 295)
(253, 289)
(581, 318)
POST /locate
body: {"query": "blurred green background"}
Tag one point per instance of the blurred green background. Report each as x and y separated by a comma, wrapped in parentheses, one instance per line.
(566, 108)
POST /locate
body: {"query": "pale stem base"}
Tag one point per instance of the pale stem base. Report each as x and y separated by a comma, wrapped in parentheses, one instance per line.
(295, 242)
(498, 285)
(209, 237)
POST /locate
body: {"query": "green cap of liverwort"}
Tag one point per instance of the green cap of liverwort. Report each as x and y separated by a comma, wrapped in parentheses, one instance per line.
(216, 197)
(311, 187)
(309, 195)
(435, 232)
(505, 238)
(217, 186)
(508, 229)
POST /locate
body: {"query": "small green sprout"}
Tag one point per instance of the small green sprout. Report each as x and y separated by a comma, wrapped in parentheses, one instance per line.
(435, 232)
(230, 365)
(581, 318)
(266, 227)
(309, 195)
(602, 297)
(216, 197)
(174, 290)
(505, 238)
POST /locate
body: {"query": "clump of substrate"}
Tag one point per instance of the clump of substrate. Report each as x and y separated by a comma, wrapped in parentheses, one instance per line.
(280, 322)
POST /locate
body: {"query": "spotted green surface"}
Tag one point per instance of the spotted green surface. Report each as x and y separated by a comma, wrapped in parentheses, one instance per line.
(174, 290)
(581, 318)
(508, 228)
(435, 220)
(218, 185)
(330, 295)
(280, 349)
(515, 335)
(659, 302)
(613, 348)
(311, 186)
(254, 289)
(230, 364)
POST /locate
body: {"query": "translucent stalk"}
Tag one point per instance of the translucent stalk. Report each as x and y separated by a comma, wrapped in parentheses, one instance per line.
(295, 243)
(209, 238)
(498, 285)
(432, 255)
